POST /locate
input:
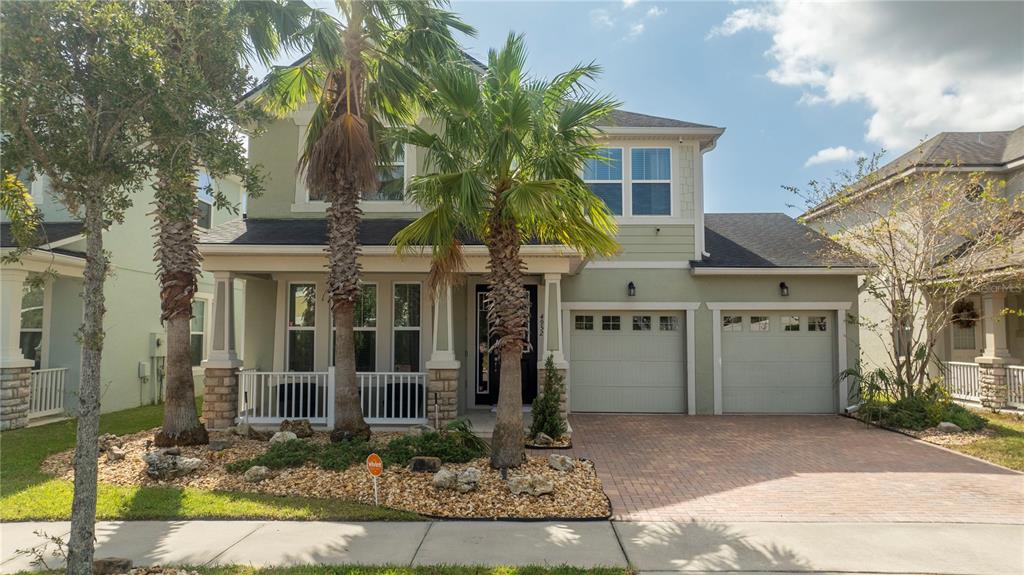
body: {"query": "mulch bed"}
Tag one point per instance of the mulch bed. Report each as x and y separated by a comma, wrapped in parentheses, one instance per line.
(578, 493)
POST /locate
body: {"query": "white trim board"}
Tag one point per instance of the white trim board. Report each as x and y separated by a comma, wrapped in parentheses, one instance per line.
(631, 265)
(799, 305)
(630, 306)
(713, 271)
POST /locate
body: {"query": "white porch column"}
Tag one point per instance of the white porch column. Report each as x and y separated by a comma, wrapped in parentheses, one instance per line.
(15, 369)
(992, 363)
(443, 368)
(552, 325)
(220, 387)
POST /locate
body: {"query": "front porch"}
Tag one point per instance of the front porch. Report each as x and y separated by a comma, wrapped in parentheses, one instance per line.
(421, 357)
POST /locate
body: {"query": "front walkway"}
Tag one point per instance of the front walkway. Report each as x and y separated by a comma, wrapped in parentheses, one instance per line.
(787, 468)
(696, 546)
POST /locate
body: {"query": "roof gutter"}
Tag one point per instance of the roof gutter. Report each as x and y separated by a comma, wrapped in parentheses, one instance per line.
(269, 249)
(781, 271)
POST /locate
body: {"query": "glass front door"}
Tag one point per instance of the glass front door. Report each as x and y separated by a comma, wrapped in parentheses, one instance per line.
(488, 367)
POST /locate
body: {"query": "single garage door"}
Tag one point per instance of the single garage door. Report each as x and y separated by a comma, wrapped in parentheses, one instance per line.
(778, 362)
(627, 362)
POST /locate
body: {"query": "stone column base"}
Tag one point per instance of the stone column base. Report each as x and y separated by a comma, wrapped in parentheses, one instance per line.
(220, 397)
(993, 382)
(15, 393)
(442, 396)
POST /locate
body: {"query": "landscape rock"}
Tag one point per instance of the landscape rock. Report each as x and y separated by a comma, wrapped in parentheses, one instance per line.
(282, 436)
(947, 427)
(114, 453)
(111, 566)
(561, 462)
(463, 482)
(300, 427)
(424, 464)
(418, 430)
(343, 435)
(171, 451)
(256, 473)
(219, 444)
(106, 440)
(542, 439)
(534, 485)
(164, 466)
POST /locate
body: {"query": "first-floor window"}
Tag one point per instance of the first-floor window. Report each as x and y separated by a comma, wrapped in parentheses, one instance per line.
(732, 323)
(365, 328)
(963, 336)
(32, 323)
(585, 322)
(610, 323)
(406, 327)
(817, 323)
(668, 323)
(197, 332)
(641, 323)
(759, 323)
(301, 326)
(790, 323)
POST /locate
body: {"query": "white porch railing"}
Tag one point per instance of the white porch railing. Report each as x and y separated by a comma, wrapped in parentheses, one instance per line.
(47, 392)
(962, 381)
(1015, 381)
(268, 398)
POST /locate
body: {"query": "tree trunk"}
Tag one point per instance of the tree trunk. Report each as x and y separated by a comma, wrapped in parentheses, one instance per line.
(343, 216)
(83, 504)
(508, 313)
(177, 259)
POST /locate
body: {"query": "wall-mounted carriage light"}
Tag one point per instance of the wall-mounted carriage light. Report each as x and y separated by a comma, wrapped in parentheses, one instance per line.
(631, 289)
(783, 289)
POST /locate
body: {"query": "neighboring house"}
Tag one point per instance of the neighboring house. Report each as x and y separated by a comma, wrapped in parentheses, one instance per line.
(983, 357)
(41, 318)
(698, 314)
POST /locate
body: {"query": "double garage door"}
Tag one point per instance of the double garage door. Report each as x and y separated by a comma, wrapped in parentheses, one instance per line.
(778, 362)
(627, 362)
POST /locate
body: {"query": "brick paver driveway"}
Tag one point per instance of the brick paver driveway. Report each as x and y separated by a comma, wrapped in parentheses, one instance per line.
(787, 468)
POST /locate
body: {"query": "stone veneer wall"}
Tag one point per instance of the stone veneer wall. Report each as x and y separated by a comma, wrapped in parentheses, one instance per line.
(15, 392)
(994, 384)
(220, 398)
(442, 392)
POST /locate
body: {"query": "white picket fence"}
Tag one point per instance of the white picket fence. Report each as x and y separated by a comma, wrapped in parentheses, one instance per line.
(47, 392)
(268, 398)
(1015, 381)
(962, 380)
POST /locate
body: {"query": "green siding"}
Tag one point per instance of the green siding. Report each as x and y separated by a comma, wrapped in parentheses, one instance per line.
(669, 242)
(275, 151)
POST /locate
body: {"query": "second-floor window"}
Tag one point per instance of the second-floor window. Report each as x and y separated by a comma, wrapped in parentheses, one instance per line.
(604, 177)
(392, 181)
(204, 201)
(651, 169)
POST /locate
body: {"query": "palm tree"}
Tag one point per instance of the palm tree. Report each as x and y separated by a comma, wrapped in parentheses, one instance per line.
(362, 72)
(192, 118)
(506, 169)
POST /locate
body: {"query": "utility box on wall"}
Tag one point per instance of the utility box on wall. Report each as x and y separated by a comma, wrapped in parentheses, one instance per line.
(157, 344)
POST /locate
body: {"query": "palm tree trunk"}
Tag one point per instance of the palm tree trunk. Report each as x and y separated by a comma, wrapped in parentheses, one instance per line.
(177, 267)
(343, 216)
(508, 313)
(83, 503)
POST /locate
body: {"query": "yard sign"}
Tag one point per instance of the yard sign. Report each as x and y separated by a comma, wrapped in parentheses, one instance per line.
(375, 466)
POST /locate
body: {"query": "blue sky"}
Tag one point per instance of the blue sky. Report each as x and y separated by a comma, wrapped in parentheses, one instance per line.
(789, 81)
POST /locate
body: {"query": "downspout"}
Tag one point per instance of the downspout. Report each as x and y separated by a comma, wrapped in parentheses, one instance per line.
(701, 244)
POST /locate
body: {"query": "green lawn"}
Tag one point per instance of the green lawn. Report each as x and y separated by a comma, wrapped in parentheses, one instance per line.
(1006, 448)
(27, 494)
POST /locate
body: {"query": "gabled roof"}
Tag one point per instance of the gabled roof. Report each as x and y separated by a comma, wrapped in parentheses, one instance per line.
(771, 240)
(624, 119)
(981, 150)
(48, 232)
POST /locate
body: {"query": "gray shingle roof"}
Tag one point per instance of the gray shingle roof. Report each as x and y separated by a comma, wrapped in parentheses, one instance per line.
(624, 119)
(48, 232)
(305, 232)
(769, 241)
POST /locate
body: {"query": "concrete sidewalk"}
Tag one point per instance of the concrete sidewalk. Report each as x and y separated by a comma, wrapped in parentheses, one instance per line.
(648, 547)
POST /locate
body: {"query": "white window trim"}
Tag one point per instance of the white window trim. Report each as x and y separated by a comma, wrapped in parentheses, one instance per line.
(621, 181)
(395, 328)
(202, 201)
(289, 328)
(44, 331)
(334, 329)
(670, 181)
(207, 299)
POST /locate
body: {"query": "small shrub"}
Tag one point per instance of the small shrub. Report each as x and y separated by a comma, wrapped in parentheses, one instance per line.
(964, 418)
(293, 453)
(450, 446)
(547, 413)
(344, 454)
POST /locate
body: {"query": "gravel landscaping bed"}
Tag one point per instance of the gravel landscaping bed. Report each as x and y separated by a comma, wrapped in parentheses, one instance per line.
(937, 437)
(577, 492)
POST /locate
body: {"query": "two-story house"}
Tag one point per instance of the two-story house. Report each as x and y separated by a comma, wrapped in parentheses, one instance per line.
(982, 355)
(40, 351)
(698, 313)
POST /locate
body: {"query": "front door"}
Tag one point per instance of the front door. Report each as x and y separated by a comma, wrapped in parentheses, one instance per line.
(487, 362)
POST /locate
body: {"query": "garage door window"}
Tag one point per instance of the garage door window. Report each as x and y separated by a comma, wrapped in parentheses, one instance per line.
(585, 322)
(611, 323)
(817, 323)
(732, 323)
(790, 323)
(668, 323)
(641, 323)
(759, 323)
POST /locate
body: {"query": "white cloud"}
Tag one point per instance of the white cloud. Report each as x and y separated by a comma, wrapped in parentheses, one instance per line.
(920, 71)
(635, 31)
(601, 19)
(628, 3)
(836, 154)
(655, 12)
